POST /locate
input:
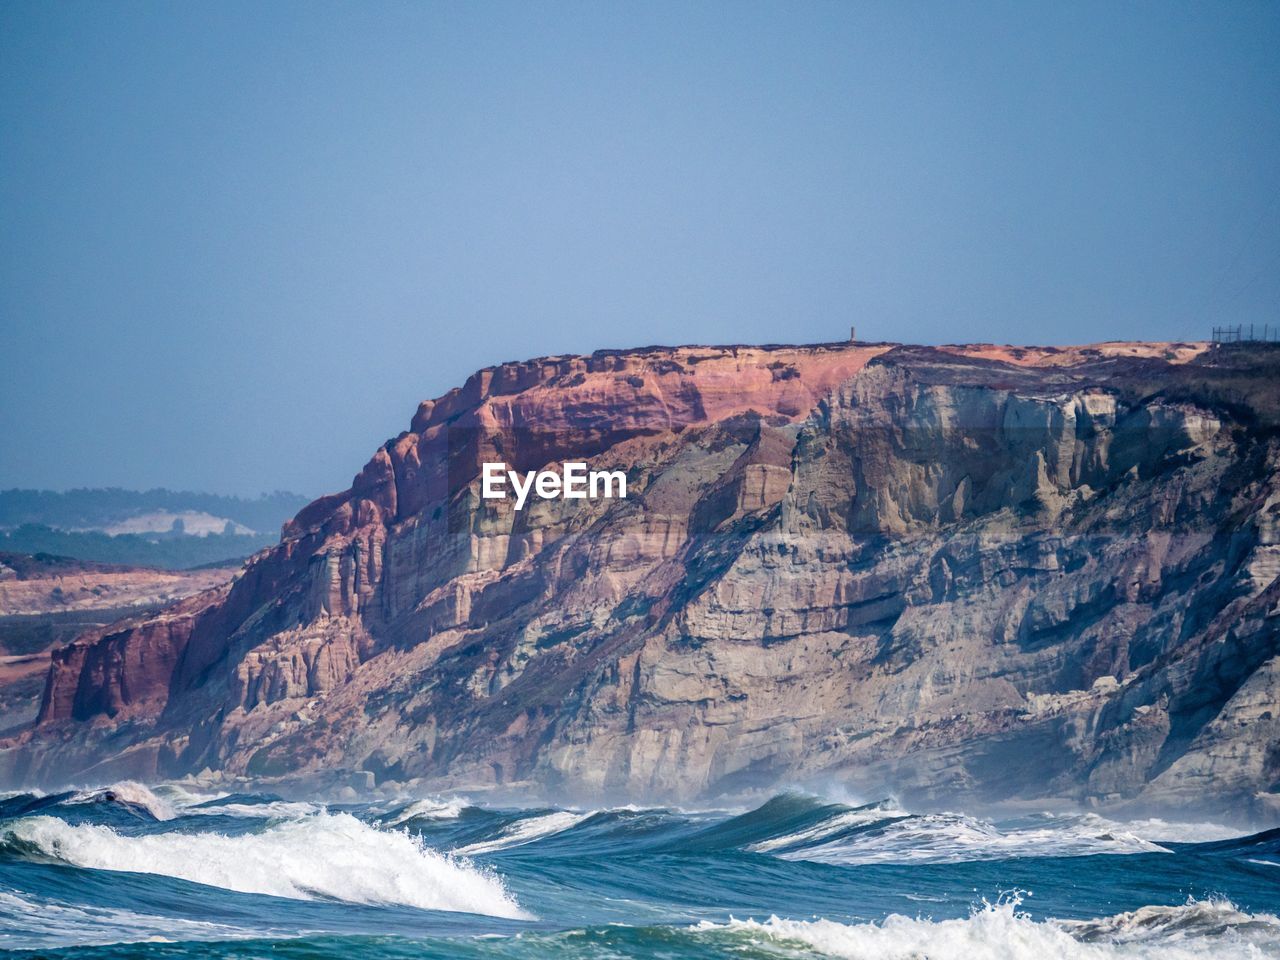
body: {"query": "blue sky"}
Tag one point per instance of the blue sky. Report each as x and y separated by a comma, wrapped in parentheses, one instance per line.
(242, 241)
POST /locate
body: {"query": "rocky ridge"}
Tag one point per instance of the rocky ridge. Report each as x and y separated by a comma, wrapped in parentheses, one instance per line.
(47, 600)
(963, 572)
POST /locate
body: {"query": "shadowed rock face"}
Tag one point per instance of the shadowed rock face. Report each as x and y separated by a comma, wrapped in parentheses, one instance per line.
(978, 572)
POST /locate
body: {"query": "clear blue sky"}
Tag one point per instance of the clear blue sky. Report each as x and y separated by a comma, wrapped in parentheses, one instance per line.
(241, 241)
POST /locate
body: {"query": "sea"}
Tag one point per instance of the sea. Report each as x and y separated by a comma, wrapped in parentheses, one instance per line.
(133, 871)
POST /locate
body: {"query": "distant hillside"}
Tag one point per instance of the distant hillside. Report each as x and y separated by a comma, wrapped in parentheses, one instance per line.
(111, 510)
(163, 551)
(47, 600)
(27, 566)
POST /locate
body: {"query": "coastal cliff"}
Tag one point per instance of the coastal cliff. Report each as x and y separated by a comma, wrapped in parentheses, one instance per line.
(961, 572)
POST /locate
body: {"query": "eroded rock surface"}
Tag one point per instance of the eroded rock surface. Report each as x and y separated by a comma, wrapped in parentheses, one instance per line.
(46, 601)
(983, 572)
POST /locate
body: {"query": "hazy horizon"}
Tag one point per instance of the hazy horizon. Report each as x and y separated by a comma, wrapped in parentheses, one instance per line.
(265, 492)
(243, 243)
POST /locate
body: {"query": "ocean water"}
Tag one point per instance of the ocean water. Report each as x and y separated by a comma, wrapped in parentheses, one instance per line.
(128, 871)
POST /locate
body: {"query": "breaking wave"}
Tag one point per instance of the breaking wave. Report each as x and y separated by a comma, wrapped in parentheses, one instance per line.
(271, 810)
(622, 881)
(330, 856)
(796, 827)
(953, 838)
(427, 809)
(801, 827)
(1197, 930)
(835, 825)
(1165, 831)
(525, 830)
(129, 795)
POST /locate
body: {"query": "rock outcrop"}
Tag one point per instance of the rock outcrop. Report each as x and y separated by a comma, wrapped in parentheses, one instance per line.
(46, 601)
(965, 572)
(42, 585)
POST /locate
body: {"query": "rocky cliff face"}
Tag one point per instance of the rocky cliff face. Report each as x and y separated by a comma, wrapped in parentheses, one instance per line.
(46, 601)
(968, 572)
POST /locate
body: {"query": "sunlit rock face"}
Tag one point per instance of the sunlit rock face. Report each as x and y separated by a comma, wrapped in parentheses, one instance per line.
(984, 572)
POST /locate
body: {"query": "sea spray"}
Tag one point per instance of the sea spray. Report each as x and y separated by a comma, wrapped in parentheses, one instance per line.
(429, 808)
(526, 830)
(128, 795)
(954, 838)
(332, 856)
(1198, 930)
(271, 810)
(637, 882)
(824, 829)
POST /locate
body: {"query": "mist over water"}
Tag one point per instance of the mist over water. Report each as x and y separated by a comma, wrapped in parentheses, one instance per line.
(130, 871)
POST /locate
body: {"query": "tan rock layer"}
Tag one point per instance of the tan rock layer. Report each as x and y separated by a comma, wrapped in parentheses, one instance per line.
(997, 572)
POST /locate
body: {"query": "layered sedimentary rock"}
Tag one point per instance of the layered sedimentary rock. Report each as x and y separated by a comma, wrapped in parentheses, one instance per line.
(34, 586)
(46, 601)
(975, 572)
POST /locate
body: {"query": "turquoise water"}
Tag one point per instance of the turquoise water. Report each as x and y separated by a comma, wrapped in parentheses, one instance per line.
(132, 872)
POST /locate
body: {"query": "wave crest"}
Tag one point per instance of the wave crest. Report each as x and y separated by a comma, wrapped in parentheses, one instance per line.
(870, 835)
(526, 830)
(427, 809)
(1195, 918)
(1197, 930)
(272, 809)
(334, 856)
(128, 795)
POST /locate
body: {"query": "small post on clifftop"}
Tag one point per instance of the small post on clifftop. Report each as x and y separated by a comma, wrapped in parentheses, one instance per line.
(853, 334)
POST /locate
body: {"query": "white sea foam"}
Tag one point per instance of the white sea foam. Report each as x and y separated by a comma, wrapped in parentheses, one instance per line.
(189, 803)
(129, 792)
(1165, 831)
(946, 838)
(328, 855)
(1193, 920)
(30, 792)
(1198, 930)
(430, 808)
(30, 924)
(526, 830)
(184, 794)
(272, 810)
(837, 823)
